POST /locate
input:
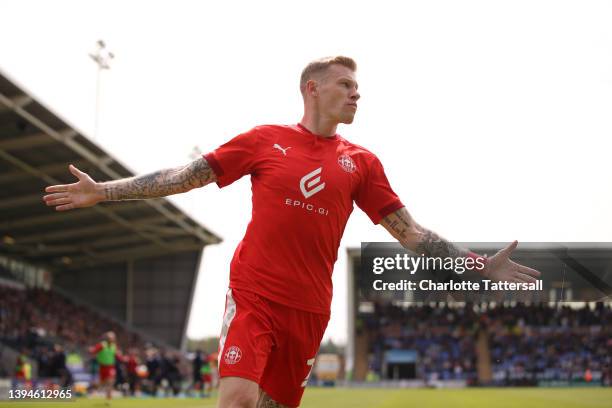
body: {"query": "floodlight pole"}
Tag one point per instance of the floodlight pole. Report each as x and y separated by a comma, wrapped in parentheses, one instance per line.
(102, 58)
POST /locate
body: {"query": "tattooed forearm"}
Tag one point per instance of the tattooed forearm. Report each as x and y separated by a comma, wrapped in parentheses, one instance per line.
(399, 224)
(265, 401)
(161, 183)
(416, 238)
(431, 244)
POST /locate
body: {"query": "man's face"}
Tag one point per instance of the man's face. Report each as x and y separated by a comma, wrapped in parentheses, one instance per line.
(337, 94)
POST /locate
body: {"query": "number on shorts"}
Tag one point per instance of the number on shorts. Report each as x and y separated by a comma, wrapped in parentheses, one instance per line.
(308, 363)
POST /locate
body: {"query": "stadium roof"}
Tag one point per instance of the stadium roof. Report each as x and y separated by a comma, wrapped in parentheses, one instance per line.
(36, 147)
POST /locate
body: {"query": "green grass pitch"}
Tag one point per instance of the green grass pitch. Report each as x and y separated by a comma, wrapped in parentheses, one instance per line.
(385, 398)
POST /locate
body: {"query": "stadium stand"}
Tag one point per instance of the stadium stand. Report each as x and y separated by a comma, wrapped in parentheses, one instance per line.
(137, 261)
(33, 323)
(527, 344)
(65, 278)
(535, 343)
(443, 337)
(506, 343)
(34, 316)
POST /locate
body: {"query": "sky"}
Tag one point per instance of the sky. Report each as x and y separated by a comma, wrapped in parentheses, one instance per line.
(492, 119)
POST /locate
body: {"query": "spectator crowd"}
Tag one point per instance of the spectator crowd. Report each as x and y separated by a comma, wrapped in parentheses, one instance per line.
(45, 327)
(527, 344)
(535, 343)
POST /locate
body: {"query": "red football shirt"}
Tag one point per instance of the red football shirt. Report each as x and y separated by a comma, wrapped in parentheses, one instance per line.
(303, 188)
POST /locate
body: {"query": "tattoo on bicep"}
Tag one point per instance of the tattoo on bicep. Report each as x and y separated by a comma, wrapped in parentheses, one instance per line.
(200, 173)
(265, 401)
(161, 183)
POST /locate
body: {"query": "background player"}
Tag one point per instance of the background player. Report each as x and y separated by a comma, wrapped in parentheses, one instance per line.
(106, 355)
(305, 179)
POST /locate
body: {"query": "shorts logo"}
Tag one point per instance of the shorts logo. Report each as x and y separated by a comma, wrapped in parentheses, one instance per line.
(232, 355)
(347, 163)
(311, 184)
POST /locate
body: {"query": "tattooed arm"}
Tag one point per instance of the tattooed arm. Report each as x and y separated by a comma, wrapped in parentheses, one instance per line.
(418, 239)
(160, 183)
(86, 192)
(412, 236)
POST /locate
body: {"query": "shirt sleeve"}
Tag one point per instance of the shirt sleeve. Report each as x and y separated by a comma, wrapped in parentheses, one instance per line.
(234, 159)
(375, 196)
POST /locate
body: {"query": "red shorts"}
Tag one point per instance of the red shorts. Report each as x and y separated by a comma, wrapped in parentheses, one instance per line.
(206, 378)
(107, 372)
(269, 343)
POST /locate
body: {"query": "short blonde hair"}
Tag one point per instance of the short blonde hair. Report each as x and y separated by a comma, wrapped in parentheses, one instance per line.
(322, 64)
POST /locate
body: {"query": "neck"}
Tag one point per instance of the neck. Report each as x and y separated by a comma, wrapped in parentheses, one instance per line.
(319, 125)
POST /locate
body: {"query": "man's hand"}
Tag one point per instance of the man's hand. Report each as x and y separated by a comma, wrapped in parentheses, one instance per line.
(83, 193)
(161, 183)
(501, 268)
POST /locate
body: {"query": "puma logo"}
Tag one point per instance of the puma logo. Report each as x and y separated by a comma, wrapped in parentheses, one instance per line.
(277, 146)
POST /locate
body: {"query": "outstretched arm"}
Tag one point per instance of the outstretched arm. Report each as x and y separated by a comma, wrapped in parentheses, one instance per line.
(86, 192)
(415, 238)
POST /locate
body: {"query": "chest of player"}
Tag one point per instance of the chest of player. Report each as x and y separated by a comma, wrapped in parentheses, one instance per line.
(316, 173)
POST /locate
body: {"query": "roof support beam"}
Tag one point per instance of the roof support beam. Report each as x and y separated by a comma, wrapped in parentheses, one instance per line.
(32, 141)
(97, 229)
(73, 144)
(100, 209)
(22, 201)
(19, 101)
(84, 246)
(50, 169)
(40, 220)
(147, 251)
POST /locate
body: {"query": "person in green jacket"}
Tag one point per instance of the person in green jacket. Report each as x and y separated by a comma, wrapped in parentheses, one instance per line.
(206, 375)
(106, 354)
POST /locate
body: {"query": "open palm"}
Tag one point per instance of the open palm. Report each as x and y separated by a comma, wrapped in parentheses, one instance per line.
(501, 268)
(83, 193)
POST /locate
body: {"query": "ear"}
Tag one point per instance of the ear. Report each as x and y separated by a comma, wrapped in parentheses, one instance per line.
(312, 88)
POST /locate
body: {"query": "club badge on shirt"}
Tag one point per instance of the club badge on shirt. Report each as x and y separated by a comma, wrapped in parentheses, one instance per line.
(346, 163)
